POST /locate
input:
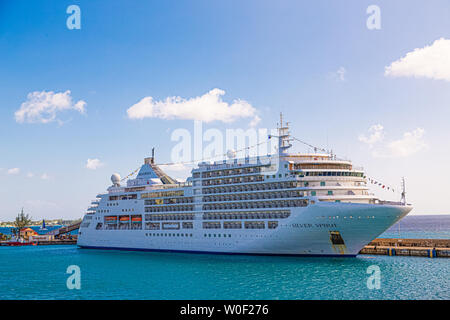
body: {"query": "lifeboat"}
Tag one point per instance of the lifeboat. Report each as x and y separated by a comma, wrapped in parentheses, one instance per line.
(136, 219)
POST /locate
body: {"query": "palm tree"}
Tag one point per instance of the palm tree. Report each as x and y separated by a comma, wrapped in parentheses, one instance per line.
(22, 220)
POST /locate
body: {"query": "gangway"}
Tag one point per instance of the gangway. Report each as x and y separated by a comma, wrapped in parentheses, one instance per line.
(64, 230)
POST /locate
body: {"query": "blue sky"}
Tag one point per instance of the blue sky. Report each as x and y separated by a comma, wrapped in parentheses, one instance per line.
(275, 55)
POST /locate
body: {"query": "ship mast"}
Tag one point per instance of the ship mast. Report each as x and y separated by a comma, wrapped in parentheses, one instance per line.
(283, 137)
(403, 199)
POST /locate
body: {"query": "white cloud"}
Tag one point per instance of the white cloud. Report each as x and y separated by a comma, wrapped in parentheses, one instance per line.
(338, 75)
(94, 164)
(411, 143)
(376, 135)
(254, 121)
(341, 73)
(14, 171)
(42, 106)
(208, 107)
(45, 176)
(429, 62)
(30, 175)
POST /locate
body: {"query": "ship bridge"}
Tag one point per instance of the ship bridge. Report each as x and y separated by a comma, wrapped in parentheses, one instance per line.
(318, 161)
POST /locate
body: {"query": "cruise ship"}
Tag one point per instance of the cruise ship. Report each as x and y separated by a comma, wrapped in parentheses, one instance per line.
(300, 204)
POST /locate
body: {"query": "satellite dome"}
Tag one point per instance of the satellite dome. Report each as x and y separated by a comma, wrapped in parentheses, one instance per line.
(231, 154)
(115, 179)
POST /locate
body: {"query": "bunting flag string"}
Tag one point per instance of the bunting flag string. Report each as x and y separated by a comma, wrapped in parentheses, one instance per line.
(130, 175)
(380, 184)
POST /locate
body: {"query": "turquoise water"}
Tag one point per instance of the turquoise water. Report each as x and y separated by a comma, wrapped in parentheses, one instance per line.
(39, 272)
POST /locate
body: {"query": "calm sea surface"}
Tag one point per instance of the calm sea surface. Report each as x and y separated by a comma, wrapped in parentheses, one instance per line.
(420, 227)
(39, 272)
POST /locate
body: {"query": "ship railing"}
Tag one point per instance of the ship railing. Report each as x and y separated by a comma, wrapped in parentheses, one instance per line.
(172, 186)
(323, 167)
(237, 162)
(396, 203)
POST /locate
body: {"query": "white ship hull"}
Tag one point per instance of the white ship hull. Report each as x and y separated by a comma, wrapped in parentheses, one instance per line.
(305, 232)
(287, 204)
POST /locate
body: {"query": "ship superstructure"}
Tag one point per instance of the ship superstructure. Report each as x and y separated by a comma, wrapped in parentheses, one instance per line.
(282, 204)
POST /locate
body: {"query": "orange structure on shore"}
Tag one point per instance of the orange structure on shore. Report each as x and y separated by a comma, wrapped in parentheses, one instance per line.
(26, 233)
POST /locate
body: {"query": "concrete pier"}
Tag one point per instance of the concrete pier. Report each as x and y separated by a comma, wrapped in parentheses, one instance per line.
(432, 248)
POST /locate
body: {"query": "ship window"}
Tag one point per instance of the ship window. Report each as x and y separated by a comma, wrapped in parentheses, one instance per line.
(322, 183)
(313, 193)
(330, 193)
